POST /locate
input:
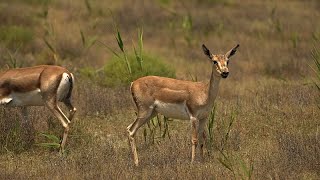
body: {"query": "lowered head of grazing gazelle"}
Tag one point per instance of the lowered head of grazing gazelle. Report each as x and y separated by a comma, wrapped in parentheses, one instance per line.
(178, 99)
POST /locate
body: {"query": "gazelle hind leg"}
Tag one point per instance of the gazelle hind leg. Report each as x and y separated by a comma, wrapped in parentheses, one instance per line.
(52, 105)
(72, 109)
(142, 118)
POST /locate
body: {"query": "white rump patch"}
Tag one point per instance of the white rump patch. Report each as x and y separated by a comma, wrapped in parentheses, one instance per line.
(172, 110)
(31, 98)
(64, 87)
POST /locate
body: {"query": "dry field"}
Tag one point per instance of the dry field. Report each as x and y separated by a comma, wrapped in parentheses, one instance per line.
(267, 117)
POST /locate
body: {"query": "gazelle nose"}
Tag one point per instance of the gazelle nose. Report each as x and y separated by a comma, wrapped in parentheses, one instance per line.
(224, 74)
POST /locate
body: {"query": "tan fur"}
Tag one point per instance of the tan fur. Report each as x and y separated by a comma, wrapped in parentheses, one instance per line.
(38, 86)
(149, 88)
(178, 99)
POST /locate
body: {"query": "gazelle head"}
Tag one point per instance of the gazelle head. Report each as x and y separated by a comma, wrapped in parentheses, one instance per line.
(220, 61)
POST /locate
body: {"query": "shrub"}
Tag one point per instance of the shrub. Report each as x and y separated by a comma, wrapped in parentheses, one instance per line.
(115, 74)
(14, 36)
(88, 72)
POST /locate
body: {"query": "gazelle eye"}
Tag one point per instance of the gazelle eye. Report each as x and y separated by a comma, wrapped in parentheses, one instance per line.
(215, 62)
(227, 62)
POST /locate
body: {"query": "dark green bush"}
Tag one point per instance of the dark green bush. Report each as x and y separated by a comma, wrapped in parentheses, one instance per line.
(114, 73)
(88, 72)
(14, 36)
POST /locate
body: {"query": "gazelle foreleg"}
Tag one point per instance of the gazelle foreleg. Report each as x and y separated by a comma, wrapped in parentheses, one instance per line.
(25, 119)
(194, 136)
(202, 136)
(27, 127)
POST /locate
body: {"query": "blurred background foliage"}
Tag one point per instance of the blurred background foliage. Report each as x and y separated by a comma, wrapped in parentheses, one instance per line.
(265, 124)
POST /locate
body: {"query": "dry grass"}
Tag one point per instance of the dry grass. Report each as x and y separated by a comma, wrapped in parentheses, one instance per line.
(276, 127)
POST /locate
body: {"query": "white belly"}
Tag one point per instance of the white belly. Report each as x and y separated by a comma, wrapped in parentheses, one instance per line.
(31, 98)
(5, 100)
(171, 110)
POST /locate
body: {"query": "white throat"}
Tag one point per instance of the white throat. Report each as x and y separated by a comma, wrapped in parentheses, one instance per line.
(213, 87)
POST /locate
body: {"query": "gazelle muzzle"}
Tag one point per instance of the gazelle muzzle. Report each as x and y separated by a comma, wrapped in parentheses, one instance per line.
(224, 74)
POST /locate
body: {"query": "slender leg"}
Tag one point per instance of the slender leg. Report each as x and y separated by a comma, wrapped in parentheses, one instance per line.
(194, 138)
(72, 109)
(52, 105)
(27, 127)
(142, 118)
(202, 136)
(132, 144)
(25, 119)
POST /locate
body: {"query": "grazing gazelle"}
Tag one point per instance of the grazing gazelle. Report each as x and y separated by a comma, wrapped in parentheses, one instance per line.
(178, 99)
(43, 85)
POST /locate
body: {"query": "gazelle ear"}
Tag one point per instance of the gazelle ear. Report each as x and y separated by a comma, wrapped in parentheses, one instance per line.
(206, 51)
(232, 51)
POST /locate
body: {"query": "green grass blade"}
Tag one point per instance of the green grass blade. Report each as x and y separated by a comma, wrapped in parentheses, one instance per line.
(247, 170)
(225, 164)
(49, 45)
(49, 145)
(140, 47)
(193, 78)
(83, 39)
(91, 41)
(88, 6)
(119, 40)
(51, 137)
(145, 134)
(121, 46)
(138, 58)
(127, 63)
(159, 122)
(110, 49)
(141, 39)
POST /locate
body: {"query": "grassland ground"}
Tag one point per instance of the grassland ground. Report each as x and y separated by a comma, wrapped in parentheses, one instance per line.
(277, 132)
(269, 93)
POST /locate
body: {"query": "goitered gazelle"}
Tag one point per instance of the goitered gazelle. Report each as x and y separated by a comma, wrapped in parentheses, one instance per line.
(178, 99)
(43, 85)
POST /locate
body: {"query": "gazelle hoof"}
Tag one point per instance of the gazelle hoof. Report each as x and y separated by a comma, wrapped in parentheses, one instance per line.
(136, 163)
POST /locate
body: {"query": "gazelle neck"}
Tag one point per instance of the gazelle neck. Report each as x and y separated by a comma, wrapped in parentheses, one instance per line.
(213, 86)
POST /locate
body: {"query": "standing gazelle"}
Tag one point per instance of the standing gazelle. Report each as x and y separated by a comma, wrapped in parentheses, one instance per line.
(178, 99)
(43, 85)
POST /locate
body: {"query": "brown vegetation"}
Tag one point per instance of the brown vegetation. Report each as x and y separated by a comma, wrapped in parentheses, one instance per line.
(269, 96)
